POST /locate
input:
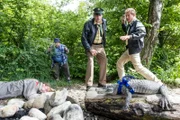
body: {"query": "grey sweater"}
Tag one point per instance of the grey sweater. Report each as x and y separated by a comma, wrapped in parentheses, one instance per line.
(27, 88)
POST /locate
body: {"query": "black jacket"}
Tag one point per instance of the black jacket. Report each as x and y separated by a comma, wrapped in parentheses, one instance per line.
(89, 33)
(137, 32)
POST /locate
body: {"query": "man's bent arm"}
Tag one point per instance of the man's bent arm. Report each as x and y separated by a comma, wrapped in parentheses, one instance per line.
(139, 33)
(85, 33)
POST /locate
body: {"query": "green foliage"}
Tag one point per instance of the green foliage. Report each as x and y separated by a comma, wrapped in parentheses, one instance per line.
(24, 63)
(28, 28)
(166, 63)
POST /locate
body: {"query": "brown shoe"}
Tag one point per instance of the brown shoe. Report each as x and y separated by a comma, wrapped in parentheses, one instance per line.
(88, 87)
(101, 85)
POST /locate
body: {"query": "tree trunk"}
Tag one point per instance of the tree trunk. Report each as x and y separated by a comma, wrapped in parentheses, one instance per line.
(154, 18)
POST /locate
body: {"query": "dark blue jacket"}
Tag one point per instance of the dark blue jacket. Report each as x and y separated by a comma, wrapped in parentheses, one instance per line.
(137, 32)
(89, 33)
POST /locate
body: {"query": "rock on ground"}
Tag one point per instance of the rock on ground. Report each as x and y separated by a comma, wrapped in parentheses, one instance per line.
(74, 112)
(39, 101)
(58, 109)
(28, 118)
(78, 93)
(8, 111)
(58, 97)
(16, 101)
(57, 117)
(28, 104)
(34, 112)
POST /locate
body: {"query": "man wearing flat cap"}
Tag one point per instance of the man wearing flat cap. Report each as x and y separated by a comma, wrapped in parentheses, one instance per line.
(94, 40)
(58, 54)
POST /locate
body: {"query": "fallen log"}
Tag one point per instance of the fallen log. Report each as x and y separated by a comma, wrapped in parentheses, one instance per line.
(141, 106)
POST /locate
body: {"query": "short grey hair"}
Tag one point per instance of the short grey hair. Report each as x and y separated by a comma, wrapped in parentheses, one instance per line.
(131, 10)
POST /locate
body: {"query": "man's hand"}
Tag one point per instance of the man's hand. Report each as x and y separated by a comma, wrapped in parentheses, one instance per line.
(93, 52)
(66, 50)
(123, 19)
(126, 37)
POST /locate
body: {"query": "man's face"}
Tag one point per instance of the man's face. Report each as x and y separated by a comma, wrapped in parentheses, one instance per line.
(129, 17)
(97, 17)
(57, 44)
(46, 88)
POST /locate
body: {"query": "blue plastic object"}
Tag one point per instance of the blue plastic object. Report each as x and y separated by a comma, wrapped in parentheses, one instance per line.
(124, 82)
(120, 86)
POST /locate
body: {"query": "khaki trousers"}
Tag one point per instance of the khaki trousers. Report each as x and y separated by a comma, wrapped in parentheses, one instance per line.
(136, 61)
(102, 61)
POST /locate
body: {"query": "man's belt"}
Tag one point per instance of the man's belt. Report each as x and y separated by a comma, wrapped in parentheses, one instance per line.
(97, 43)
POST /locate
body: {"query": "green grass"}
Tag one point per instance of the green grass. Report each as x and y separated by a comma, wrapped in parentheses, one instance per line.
(63, 83)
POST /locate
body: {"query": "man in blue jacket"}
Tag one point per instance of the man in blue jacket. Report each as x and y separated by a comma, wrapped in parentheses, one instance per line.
(134, 38)
(58, 53)
(94, 40)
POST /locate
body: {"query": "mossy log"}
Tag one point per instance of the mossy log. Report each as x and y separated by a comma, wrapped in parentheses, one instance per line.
(112, 106)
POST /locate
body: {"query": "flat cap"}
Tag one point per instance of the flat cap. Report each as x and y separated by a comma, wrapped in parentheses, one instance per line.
(98, 11)
(56, 40)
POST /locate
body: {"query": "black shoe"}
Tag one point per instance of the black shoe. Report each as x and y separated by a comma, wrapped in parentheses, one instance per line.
(68, 80)
(88, 87)
(101, 85)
